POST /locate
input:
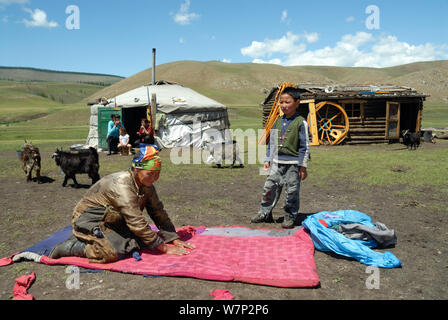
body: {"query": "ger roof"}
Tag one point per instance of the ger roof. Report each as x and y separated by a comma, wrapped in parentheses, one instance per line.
(313, 91)
(171, 98)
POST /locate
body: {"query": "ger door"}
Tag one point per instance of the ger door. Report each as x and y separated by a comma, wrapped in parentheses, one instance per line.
(104, 116)
(392, 120)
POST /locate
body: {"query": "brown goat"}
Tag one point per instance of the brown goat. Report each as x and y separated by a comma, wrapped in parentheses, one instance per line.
(30, 157)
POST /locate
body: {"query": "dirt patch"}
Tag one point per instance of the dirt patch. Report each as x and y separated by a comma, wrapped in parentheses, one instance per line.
(32, 212)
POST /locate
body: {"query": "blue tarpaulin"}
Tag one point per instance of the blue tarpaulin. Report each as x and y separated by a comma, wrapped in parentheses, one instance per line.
(327, 239)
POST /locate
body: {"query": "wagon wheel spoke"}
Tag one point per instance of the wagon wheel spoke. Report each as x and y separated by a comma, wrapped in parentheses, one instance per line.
(336, 116)
(328, 138)
(318, 115)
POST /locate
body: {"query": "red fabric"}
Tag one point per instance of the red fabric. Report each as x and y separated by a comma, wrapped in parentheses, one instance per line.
(221, 294)
(325, 223)
(286, 261)
(7, 260)
(21, 287)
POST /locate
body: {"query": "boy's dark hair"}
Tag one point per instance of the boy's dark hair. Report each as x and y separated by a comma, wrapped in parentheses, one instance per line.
(293, 92)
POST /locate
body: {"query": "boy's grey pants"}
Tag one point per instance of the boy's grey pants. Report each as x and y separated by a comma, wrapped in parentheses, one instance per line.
(281, 175)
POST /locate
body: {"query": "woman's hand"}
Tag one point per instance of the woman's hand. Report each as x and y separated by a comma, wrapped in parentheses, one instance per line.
(183, 244)
(178, 248)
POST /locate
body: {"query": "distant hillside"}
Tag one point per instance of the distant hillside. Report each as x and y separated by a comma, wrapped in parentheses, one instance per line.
(247, 83)
(32, 74)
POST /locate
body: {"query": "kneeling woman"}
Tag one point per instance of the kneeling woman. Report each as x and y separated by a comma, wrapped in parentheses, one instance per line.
(108, 222)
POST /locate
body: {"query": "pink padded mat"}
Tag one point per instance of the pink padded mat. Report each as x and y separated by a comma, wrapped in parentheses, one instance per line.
(281, 258)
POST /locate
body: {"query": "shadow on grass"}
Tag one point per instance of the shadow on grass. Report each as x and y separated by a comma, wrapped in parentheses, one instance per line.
(80, 186)
(44, 179)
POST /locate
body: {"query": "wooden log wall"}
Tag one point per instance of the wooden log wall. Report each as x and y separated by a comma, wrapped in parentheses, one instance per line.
(267, 106)
(371, 128)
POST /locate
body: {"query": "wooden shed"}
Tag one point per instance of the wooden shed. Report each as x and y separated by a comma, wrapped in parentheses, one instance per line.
(354, 114)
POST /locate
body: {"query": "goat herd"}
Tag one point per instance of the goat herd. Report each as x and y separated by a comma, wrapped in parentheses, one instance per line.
(70, 162)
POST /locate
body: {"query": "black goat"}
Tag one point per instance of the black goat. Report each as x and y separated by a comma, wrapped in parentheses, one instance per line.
(84, 161)
(411, 139)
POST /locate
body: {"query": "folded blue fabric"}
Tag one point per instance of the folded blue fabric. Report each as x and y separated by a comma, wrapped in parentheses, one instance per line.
(45, 246)
(327, 239)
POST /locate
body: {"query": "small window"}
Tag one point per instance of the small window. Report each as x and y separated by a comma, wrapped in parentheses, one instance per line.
(353, 109)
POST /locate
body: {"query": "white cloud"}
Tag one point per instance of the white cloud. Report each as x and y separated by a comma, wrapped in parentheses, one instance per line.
(39, 19)
(311, 37)
(183, 16)
(356, 50)
(271, 61)
(226, 60)
(286, 45)
(5, 19)
(284, 15)
(350, 19)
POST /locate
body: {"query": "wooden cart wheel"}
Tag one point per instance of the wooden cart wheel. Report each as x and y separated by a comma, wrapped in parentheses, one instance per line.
(332, 123)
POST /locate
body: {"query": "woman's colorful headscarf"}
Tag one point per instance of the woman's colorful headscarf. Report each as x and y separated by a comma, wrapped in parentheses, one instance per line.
(147, 158)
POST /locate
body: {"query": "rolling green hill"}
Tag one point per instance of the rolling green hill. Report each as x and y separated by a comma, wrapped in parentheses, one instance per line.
(33, 74)
(247, 83)
(29, 93)
(21, 101)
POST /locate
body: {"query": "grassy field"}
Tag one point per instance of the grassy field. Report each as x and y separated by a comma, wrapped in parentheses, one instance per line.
(21, 101)
(435, 114)
(65, 124)
(394, 166)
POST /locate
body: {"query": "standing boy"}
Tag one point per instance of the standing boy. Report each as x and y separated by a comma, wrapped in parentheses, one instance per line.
(287, 158)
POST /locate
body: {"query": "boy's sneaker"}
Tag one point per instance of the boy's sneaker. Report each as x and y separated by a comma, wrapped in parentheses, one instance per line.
(288, 222)
(259, 218)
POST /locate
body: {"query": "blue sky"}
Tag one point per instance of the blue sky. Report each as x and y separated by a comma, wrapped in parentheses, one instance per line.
(117, 36)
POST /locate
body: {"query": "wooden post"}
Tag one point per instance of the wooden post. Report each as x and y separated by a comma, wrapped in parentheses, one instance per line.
(418, 122)
(153, 111)
(313, 122)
